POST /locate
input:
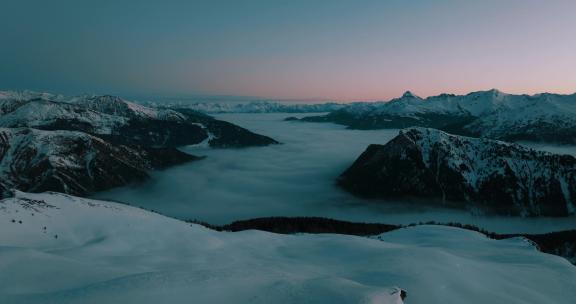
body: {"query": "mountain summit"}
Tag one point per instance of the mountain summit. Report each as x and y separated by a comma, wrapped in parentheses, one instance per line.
(408, 94)
(479, 174)
(488, 114)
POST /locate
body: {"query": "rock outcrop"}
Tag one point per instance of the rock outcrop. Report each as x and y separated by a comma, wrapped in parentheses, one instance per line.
(74, 162)
(480, 174)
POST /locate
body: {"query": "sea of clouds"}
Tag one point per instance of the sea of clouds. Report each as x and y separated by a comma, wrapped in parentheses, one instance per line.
(296, 178)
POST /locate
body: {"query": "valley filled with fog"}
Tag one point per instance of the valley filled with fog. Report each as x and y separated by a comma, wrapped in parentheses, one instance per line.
(295, 178)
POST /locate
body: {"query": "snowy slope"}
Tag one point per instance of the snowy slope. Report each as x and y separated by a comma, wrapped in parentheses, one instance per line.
(26, 95)
(56, 248)
(41, 113)
(73, 162)
(484, 174)
(491, 114)
(117, 106)
(84, 144)
(121, 121)
(476, 104)
(103, 114)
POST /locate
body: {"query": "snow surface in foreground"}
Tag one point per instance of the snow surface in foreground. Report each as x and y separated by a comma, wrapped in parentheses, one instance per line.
(111, 253)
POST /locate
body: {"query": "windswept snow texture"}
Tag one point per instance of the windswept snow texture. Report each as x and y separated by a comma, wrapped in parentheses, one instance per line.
(296, 178)
(492, 114)
(62, 249)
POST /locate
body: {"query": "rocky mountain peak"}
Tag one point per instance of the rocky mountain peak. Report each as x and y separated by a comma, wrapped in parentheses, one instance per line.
(480, 174)
(408, 94)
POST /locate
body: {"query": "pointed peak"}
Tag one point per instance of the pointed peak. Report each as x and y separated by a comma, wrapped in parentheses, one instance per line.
(408, 94)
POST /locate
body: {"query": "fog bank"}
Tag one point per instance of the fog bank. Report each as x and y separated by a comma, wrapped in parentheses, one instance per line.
(295, 178)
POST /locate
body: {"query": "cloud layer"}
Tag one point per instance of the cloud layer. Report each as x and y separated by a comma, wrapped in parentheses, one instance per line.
(292, 179)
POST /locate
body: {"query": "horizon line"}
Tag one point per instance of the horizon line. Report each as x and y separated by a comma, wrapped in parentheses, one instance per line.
(153, 97)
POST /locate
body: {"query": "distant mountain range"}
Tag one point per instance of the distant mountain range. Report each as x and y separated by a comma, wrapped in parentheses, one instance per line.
(253, 107)
(491, 114)
(84, 144)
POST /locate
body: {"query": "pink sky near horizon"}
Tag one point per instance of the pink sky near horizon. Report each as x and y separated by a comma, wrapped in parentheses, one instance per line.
(324, 49)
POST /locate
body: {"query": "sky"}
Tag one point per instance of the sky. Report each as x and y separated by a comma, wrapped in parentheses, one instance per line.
(297, 49)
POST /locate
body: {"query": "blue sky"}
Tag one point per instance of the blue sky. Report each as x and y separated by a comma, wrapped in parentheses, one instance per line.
(346, 50)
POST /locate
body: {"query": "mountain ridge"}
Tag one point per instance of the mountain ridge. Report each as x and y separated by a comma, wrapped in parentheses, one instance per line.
(84, 144)
(482, 174)
(122, 121)
(74, 162)
(492, 114)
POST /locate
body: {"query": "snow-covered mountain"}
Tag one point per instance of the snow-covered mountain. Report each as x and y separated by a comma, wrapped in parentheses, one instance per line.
(58, 248)
(84, 144)
(254, 107)
(73, 162)
(10, 96)
(121, 121)
(490, 114)
(114, 105)
(481, 174)
(102, 104)
(50, 115)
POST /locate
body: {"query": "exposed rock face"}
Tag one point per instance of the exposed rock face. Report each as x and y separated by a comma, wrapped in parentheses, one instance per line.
(84, 144)
(488, 114)
(73, 162)
(481, 174)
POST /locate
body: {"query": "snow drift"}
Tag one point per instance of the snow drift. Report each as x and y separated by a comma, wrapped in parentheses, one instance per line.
(57, 248)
